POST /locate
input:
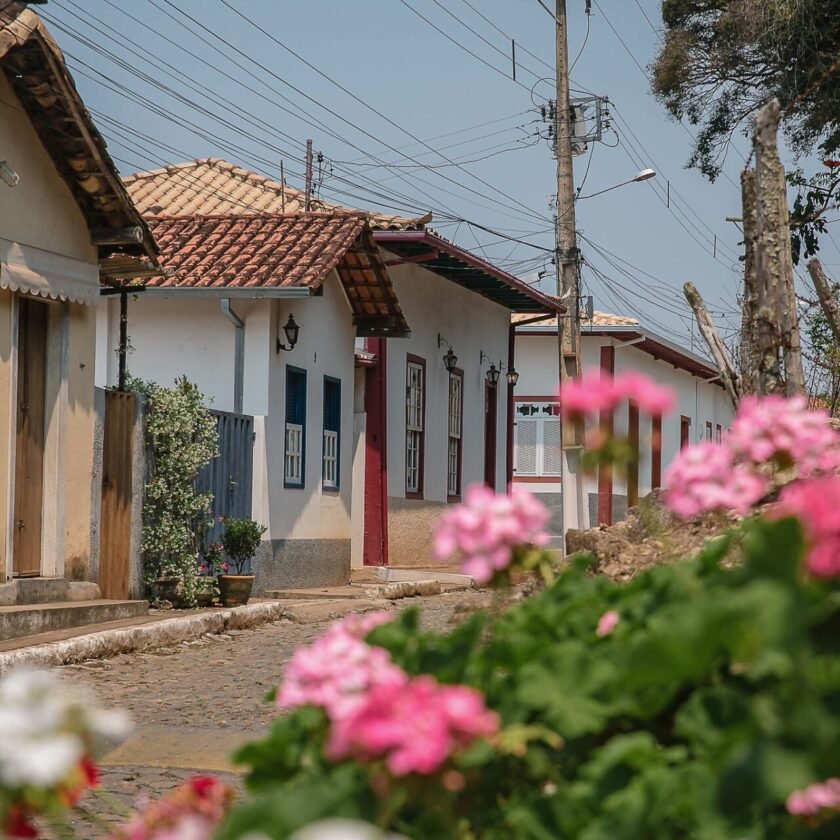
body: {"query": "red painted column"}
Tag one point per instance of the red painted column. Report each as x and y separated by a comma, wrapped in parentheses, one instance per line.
(656, 452)
(510, 408)
(605, 471)
(633, 468)
(376, 462)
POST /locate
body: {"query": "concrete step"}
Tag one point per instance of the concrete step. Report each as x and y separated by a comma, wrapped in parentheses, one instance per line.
(43, 590)
(32, 619)
(390, 574)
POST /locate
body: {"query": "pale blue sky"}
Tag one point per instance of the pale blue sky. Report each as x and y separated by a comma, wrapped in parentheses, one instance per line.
(426, 86)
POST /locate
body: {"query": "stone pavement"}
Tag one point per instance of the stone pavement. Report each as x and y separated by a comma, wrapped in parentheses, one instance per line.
(193, 703)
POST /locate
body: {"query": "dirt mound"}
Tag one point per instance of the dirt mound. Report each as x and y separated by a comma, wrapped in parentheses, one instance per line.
(649, 536)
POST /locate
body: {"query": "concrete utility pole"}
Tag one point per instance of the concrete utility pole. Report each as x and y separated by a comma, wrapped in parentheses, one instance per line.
(575, 507)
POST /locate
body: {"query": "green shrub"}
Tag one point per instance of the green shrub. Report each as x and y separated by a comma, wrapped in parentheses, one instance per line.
(240, 540)
(714, 697)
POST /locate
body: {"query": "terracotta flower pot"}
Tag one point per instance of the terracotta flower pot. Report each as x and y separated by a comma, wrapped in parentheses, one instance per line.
(235, 590)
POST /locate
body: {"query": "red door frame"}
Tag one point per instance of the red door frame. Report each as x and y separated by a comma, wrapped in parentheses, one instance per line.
(375, 551)
(490, 422)
(605, 472)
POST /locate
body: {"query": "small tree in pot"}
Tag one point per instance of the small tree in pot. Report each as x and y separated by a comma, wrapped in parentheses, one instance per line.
(240, 540)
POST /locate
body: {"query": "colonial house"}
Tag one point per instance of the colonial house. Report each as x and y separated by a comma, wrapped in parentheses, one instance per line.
(613, 344)
(63, 213)
(421, 379)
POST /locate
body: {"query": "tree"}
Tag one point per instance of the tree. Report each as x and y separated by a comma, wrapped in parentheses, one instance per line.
(721, 60)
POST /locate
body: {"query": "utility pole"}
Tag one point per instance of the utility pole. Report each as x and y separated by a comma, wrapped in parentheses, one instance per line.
(575, 507)
(308, 192)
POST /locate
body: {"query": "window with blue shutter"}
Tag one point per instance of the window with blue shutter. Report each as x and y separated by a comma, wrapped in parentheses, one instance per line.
(295, 447)
(332, 433)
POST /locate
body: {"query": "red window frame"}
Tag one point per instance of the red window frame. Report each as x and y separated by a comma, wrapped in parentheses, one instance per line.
(419, 361)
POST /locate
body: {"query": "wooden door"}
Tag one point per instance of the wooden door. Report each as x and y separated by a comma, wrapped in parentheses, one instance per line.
(375, 548)
(30, 436)
(117, 482)
(490, 405)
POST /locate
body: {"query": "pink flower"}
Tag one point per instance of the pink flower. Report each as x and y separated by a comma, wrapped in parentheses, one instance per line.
(339, 668)
(704, 477)
(815, 798)
(816, 503)
(415, 726)
(597, 392)
(487, 527)
(590, 394)
(783, 430)
(650, 397)
(607, 623)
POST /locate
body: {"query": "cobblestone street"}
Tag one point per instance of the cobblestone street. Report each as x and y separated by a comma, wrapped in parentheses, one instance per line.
(193, 703)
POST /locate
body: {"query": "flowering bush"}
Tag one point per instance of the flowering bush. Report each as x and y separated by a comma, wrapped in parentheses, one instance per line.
(181, 435)
(51, 735)
(191, 812)
(692, 701)
(493, 533)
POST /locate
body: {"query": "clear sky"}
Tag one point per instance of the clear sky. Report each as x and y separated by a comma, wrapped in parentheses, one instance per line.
(233, 90)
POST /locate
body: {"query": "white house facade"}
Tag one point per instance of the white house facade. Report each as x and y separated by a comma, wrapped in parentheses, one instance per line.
(219, 320)
(612, 344)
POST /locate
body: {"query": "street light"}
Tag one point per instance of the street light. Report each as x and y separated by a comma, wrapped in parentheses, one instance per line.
(641, 175)
(450, 360)
(292, 330)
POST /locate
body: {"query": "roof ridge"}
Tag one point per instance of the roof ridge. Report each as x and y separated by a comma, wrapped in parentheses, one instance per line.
(338, 212)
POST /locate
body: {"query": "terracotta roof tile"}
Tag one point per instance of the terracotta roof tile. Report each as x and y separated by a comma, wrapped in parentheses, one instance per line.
(212, 186)
(599, 319)
(259, 250)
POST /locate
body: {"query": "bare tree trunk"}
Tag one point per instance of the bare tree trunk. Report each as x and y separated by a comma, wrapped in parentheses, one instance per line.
(826, 298)
(774, 261)
(716, 346)
(749, 319)
(767, 251)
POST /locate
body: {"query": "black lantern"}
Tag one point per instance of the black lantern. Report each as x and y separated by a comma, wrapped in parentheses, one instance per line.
(493, 375)
(512, 376)
(450, 361)
(292, 331)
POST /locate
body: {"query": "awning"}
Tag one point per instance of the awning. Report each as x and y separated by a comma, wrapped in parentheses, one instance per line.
(43, 273)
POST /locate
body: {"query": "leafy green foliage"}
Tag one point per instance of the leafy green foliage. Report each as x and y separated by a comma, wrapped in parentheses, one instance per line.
(240, 540)
(715, 696)
(181, 438)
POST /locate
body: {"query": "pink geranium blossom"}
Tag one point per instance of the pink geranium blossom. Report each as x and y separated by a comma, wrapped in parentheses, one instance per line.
(487, 527)
(704, 477)
(814, 799)
(650, 397)
(784, 431)
(596, 392)
(337, 670)
(816, 503)
(607, 623)
(414, 725)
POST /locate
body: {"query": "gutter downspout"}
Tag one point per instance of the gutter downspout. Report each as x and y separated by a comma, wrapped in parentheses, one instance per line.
(238, 354)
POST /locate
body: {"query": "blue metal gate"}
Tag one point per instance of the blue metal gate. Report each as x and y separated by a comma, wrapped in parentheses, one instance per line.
(230, 476)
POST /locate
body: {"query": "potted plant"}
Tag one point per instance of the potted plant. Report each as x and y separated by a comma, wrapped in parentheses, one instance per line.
(210, 565)
(240, 541)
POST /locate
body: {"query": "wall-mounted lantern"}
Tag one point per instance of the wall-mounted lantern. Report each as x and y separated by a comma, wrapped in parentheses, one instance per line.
(493, 375)
(450, 360)
(292, 330)
(512, 376)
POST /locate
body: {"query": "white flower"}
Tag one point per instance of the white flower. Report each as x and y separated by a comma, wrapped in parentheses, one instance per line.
(39, 763)
(338, 829)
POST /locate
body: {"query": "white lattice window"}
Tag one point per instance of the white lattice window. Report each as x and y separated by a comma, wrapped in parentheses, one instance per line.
(456, 415)
(414, 404)
(537, 441)
(294, 453)
(330, 459)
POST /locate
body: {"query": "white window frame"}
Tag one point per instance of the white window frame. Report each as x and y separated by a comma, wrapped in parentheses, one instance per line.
(455, 426)
(545, 415)
(294, 454)
(330, 460)
(415, 398)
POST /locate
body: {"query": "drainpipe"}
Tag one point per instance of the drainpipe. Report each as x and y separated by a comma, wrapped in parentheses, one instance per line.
(510, 408)
(238, 354)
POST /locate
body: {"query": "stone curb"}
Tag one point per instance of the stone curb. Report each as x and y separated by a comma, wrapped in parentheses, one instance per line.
(404, 589)
(158, 634)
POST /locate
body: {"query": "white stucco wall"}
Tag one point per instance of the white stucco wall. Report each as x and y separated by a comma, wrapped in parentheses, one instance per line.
(173, 337)
(536, 361)
(471, 324)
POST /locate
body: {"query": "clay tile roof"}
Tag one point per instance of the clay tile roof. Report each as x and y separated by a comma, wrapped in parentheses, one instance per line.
(265, 251)
(34, 67)
(212, 186)
(599, 319)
